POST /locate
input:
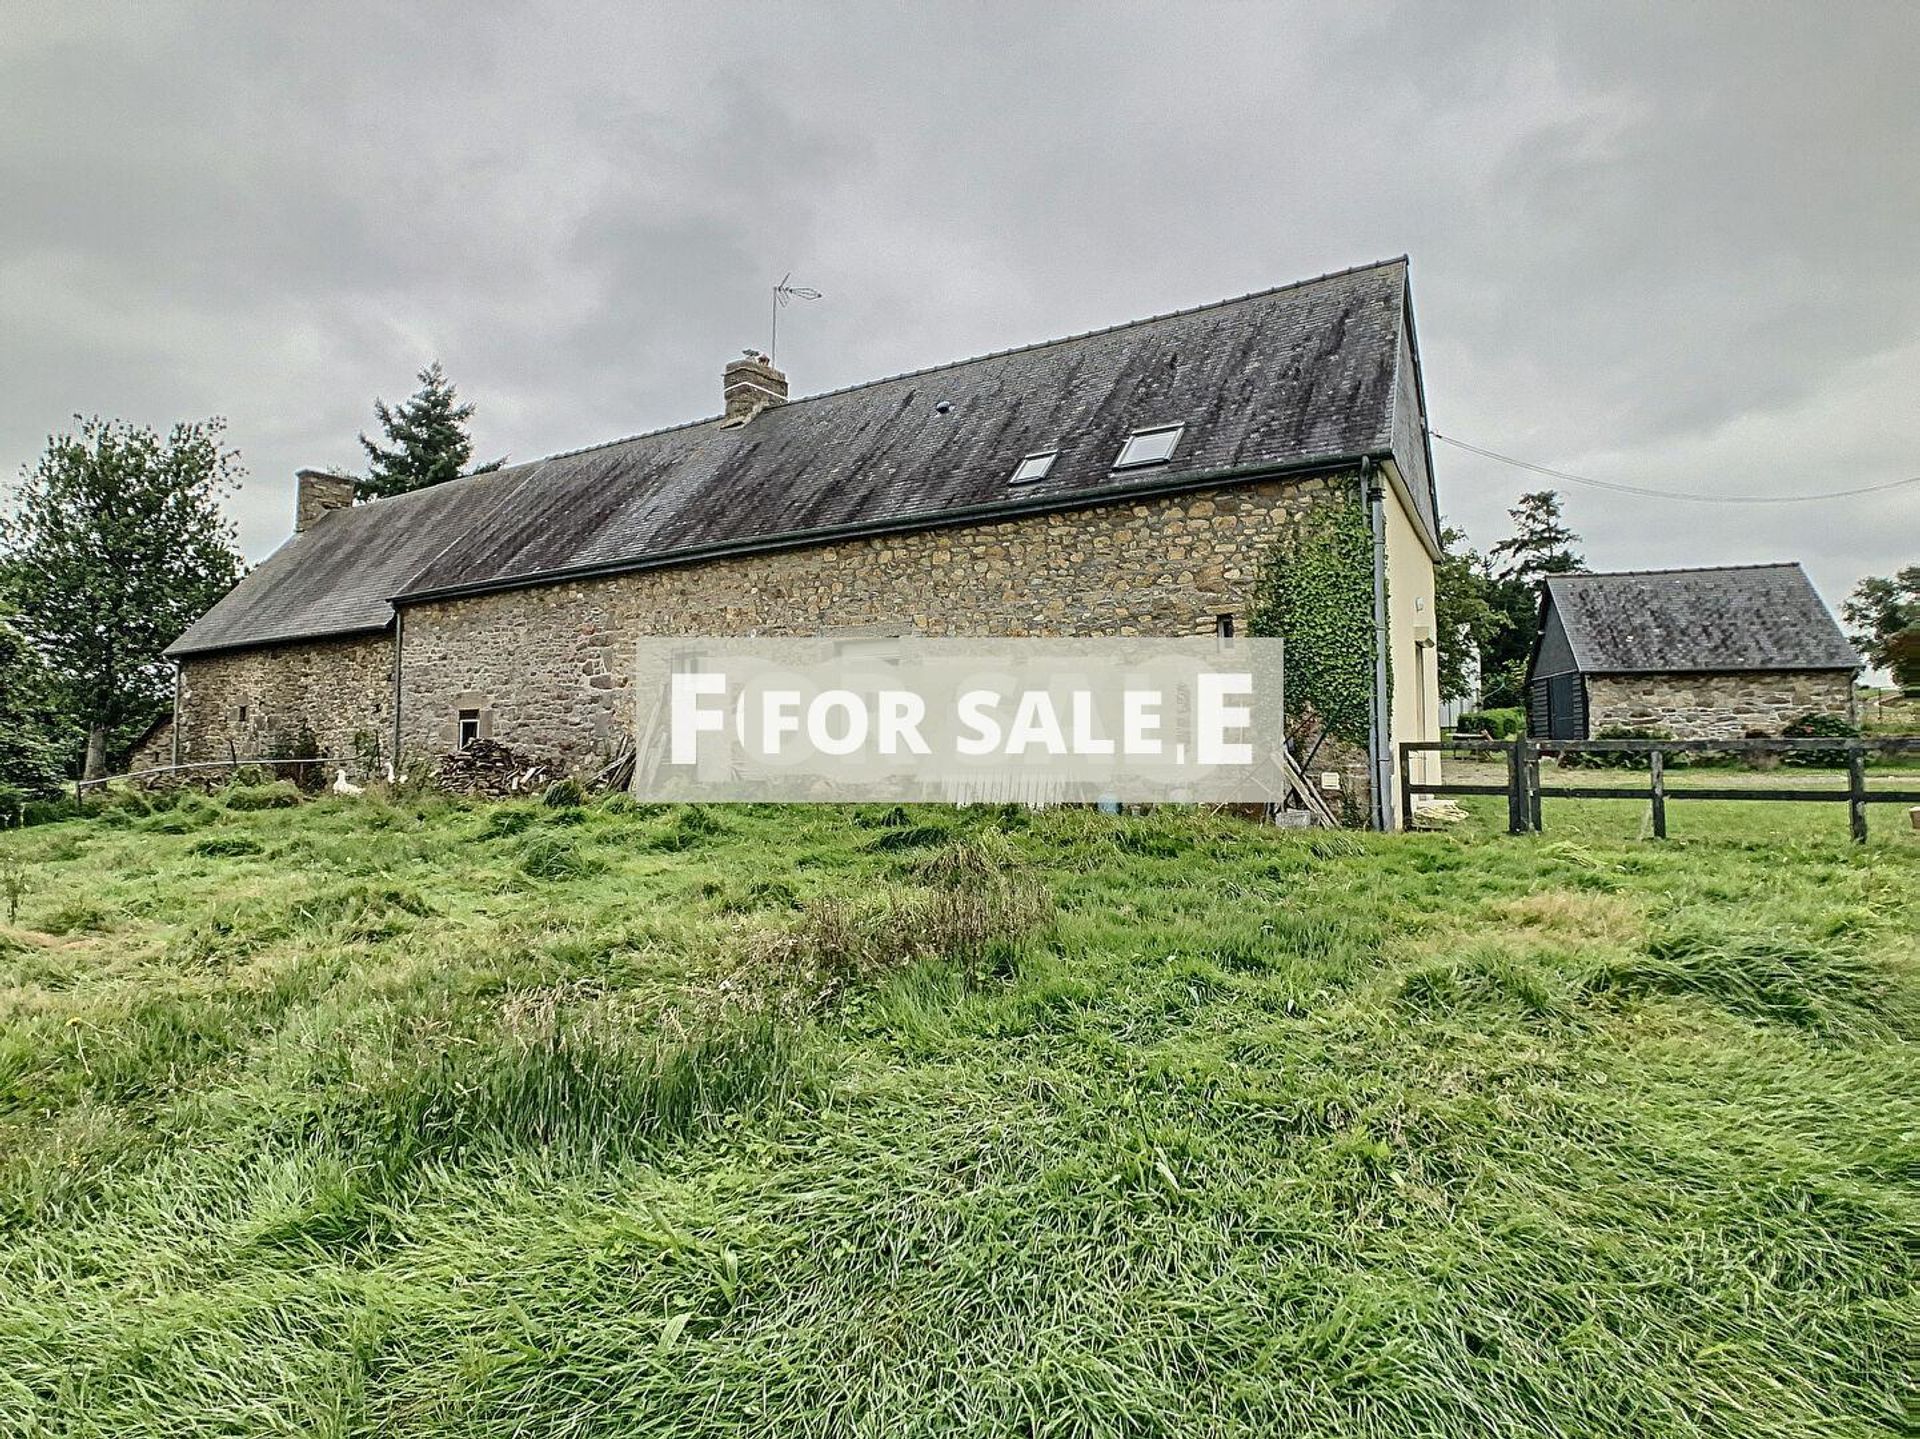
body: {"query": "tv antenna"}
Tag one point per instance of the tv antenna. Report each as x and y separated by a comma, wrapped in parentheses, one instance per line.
(783, 295)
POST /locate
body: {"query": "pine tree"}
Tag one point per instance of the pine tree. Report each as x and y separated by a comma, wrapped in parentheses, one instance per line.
(117, 544)
(427, 440)
(1541, 543)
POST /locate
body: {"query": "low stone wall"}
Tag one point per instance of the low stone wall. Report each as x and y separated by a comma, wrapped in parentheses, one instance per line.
(258, 699)
(1716, 706)
(550, 668)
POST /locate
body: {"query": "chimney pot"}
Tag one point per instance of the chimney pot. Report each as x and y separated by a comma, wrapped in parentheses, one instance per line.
(319, 495)
(750, 384)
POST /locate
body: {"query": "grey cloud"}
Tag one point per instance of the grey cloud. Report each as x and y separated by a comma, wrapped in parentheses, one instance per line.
(1668, 245)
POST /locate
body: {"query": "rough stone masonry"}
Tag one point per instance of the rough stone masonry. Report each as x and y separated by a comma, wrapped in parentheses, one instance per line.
(547, 668)
(1716, 706)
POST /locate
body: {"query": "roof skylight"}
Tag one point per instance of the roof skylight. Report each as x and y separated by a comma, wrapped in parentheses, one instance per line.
(1152, 446)
(1033, 467)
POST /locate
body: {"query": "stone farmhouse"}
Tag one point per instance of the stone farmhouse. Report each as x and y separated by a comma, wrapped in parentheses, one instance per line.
(1126, 481)
(1701, 654)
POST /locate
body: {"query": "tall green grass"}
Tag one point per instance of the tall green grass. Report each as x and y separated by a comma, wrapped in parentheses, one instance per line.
(359, 1119)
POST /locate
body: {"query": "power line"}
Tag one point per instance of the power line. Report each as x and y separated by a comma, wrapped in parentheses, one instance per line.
(1621, 489)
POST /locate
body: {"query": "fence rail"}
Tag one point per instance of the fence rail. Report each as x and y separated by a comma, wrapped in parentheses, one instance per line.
(81, 786)
(1524, 791)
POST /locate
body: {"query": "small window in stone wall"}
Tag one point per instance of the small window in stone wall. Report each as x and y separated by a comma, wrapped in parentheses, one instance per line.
(1223, 626)
(469, 727)
(240, 714)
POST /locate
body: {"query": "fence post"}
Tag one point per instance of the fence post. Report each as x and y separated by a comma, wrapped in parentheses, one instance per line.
(1516, 790)
(1406, 790)
(1532, 772)
(1857, 790)
(1657, 777)
(1657, 765)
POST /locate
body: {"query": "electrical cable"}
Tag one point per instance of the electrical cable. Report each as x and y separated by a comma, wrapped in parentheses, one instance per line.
(1618, 488)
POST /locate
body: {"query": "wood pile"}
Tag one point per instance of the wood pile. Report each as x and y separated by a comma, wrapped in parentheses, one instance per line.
(487, 768)
(618, 772)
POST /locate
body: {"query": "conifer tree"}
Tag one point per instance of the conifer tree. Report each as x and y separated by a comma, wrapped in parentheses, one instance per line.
(1541, 543)
(427, 440)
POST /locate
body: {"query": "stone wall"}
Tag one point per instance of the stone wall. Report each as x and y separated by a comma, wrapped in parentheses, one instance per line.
(550, 667)
(1716, 706)
(258, 699)
(154, 751)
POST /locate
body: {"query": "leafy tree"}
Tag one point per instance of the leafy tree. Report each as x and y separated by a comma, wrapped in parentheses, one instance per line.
(1886, 617)
(1464, 619)
(116, 545)
(1541, 544)
(427, 440)
(31, 732)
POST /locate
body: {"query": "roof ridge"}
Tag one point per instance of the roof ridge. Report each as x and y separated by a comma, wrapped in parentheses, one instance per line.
(1401, 259)
(1673, 570)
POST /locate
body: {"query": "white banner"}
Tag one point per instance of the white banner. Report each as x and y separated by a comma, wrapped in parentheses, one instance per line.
(910, 719)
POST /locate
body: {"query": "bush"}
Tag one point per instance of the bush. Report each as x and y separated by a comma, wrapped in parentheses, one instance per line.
(1623, 761)
(1494, 723)
(302, 744)
(1819, 726)
(46, 811)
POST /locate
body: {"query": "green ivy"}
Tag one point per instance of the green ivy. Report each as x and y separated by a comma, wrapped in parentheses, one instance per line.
(1315, 591)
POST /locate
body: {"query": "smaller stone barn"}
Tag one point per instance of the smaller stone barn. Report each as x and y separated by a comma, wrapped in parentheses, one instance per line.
(1701, 654)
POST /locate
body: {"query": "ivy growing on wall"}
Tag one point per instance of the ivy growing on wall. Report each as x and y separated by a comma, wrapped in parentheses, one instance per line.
(1315, 591)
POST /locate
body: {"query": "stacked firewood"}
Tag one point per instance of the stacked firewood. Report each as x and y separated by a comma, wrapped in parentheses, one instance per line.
(487, 767)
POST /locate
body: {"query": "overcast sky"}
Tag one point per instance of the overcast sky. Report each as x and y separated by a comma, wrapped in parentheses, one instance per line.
(1675, 247)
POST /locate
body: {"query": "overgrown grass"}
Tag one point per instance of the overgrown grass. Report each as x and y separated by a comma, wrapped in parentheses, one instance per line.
(605, 1119)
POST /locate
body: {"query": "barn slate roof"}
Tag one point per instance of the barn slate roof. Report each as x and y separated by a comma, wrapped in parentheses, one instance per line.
(1302, 376)
(1734, 617)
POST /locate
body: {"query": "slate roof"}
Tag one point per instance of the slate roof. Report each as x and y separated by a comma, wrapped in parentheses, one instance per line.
(340, 576)
(1737, 617)
(1305, 375)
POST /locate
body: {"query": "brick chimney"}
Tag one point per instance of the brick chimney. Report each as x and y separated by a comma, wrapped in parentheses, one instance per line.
(751, 384)
(320, 493)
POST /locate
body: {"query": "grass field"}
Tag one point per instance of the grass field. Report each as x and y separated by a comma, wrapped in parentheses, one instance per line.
(372, 1119)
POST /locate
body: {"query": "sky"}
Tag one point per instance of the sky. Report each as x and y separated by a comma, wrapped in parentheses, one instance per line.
(1671, 246)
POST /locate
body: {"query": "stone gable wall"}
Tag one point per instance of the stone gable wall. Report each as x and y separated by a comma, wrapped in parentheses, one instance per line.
(1716, 706)
(551, 667)
(337, 687)
(154, 751)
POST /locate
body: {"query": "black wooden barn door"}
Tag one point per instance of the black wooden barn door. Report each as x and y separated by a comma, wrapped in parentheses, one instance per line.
(1557, 707)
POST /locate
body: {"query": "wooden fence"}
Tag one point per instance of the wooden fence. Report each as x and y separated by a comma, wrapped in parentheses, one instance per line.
(81, 786)
(1524, 791)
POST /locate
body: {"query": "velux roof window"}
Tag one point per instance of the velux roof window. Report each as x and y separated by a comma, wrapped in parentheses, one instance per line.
(1152, 446)
(1033, 467)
